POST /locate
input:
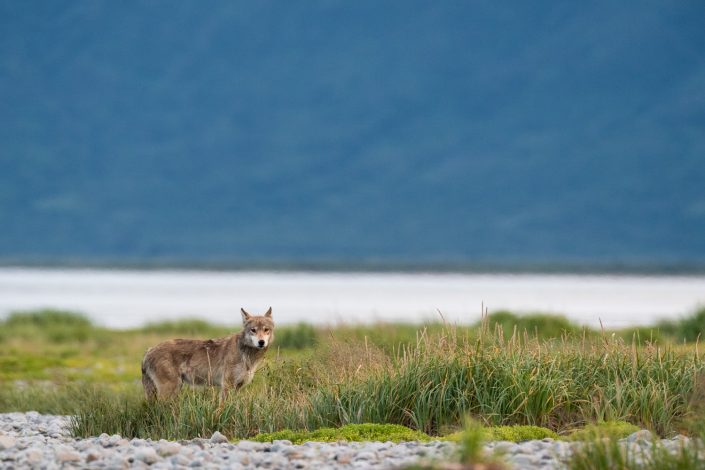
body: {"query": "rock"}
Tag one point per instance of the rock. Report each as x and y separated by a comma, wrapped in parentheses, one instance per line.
(115, 463)
(147, 455)
(249, 445)
(181, 460)
(292, 454)
(218, 438)
(33, 456)
(367, 455)
(66, 454)
(344, 457)
(104, 440)
(506, 447)
(523, 461)
(6, 442)
(166, 448)
(92, 456)
(643, 435)
(85, 444)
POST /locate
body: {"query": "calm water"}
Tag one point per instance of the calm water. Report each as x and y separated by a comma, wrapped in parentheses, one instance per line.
(131, 298)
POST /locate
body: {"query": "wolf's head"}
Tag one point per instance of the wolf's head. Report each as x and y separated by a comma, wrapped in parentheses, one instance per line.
(258, 331)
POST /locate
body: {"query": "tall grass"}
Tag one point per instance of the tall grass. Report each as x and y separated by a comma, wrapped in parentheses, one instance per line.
(429, 386)
(427, 379)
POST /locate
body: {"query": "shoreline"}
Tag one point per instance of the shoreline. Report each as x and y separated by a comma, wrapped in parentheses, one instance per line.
(30, 439)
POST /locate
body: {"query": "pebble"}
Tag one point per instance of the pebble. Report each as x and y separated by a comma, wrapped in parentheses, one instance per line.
(641, 436)
(31, 440)
(6, 442)
(147, 455)
(167, 448)
(66, 454)
(218, 438)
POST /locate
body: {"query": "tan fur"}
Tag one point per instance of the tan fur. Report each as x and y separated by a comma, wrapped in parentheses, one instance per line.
(229, 362)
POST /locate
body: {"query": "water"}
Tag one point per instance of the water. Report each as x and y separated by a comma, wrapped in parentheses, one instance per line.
(119, 298)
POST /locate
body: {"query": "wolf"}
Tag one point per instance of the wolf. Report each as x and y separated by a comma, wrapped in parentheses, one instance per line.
(229, 362)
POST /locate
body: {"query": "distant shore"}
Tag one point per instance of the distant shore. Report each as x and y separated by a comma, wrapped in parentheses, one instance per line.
(372, 265)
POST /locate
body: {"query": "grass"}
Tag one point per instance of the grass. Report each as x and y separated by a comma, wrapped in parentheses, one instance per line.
(423, 379)
(609, 454)
(429, 388)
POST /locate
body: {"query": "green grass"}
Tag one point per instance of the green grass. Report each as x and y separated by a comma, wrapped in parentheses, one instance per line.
(425, 379)
(428, 388)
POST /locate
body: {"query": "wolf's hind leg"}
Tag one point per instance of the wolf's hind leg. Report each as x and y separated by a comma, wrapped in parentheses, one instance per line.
(169, 388)
(150, 389)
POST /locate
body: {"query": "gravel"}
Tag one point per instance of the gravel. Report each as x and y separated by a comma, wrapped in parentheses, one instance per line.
(32, 440)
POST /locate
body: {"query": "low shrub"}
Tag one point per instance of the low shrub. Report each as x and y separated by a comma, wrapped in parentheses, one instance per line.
(53, 325)
(539, 325)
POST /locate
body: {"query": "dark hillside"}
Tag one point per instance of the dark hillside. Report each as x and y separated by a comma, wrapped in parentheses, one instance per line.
(453, 131)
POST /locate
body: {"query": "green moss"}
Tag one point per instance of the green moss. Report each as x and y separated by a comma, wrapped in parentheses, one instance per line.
(509, 433)
(611, 429)
(350, 432)
(519, 433)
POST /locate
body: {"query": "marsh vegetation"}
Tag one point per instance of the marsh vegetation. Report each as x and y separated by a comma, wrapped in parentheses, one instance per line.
(538, 371)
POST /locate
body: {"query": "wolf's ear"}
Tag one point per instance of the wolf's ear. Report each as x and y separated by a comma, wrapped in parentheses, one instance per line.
(269, 313)
(245, 316)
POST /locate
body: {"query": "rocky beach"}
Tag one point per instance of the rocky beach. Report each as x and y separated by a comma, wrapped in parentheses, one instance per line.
(33, 440)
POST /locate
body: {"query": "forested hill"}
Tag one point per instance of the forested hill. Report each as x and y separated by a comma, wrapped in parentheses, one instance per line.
(388, 131)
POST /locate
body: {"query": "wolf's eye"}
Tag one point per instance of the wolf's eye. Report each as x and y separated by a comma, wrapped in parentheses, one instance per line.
(254, 330)
(266, 330)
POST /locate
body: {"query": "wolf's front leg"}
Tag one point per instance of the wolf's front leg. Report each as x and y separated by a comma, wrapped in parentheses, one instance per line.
(229, 384)
(224, 392)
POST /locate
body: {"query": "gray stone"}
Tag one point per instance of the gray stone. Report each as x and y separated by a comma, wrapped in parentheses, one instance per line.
(523, 461)
(643, 435)
(147, 455)
(93, 455)
(33, 456)
(218, 438)
(366, 455)
(66, 454)
(7, 442)
(249, 445)
(506, 447)
(166, 448)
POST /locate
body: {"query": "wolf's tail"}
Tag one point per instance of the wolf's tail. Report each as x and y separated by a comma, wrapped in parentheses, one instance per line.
(150, 388)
